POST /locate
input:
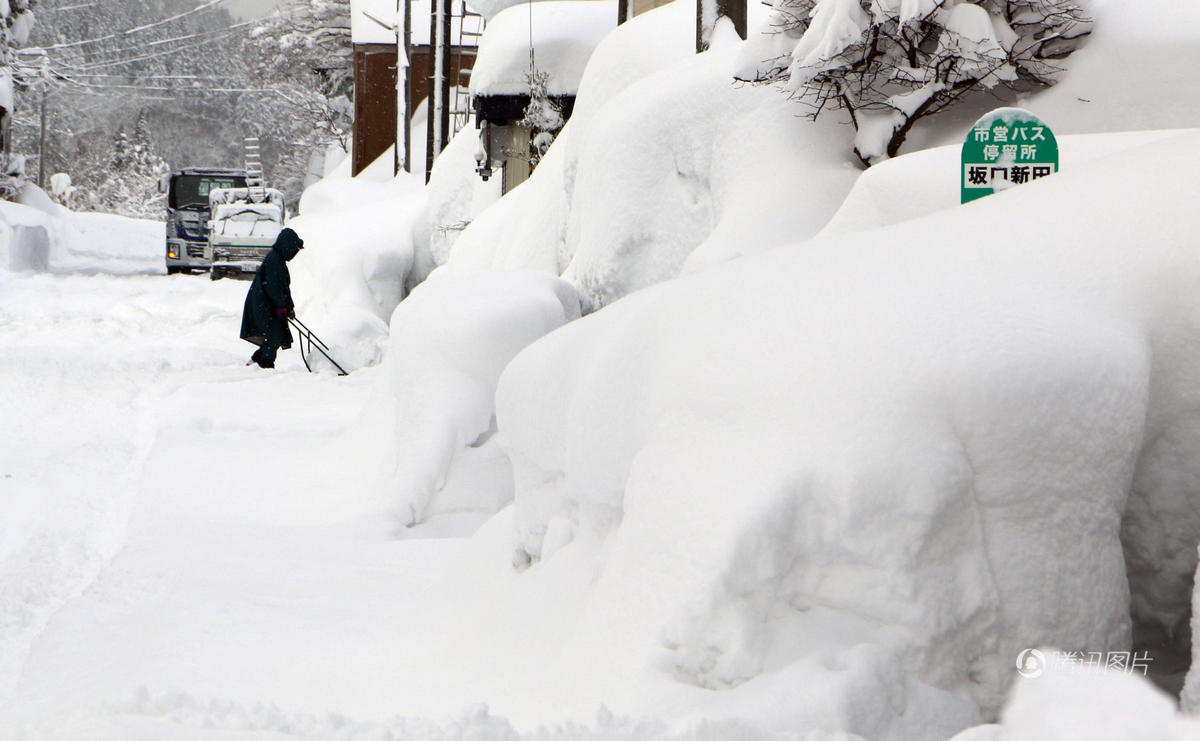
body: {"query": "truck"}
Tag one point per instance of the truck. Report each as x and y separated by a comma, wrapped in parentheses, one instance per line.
(243, 227)
(188, 213)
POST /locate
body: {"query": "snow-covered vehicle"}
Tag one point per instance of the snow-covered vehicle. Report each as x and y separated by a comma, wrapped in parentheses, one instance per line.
(187, 192)
(244, 225)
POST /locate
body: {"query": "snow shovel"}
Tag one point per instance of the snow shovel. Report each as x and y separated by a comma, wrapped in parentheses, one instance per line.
(313, 342)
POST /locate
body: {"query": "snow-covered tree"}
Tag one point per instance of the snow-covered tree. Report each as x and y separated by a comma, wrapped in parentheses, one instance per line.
(543, 116)
(16, 22)
(889, 63)
(177, 67)
(303, 53)
(129, 185)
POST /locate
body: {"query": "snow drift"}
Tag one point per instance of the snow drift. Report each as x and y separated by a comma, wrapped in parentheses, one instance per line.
(662, 151)
(432, 420)
(1086, 705)
(666, 158)
(358, 253)
(39, 235)
(917, 450)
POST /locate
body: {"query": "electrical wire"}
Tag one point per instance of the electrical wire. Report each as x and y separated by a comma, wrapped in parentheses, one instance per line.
(187, 37)
(132, 60)
(131, 31)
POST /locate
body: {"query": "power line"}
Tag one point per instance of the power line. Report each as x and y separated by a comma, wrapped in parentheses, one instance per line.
(132, 31)
(151, 88)
(146, 76)
(168, 52)
(68, 7)
(141, 47)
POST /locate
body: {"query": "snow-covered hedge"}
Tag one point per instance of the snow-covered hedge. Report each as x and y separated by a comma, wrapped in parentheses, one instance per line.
(432, 421)
(907, 453)
(665, 154)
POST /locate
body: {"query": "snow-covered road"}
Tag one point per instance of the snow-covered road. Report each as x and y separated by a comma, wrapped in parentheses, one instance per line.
(177, 530)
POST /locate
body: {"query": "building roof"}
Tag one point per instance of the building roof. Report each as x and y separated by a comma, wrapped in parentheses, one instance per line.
(565, 32)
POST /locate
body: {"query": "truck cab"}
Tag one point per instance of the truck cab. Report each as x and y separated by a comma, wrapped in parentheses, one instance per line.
(188, 213)
(243, 228)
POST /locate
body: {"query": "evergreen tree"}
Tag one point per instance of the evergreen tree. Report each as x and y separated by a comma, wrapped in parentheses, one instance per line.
(16, 22)
(129, 185)
(171, 72)
(303, 53)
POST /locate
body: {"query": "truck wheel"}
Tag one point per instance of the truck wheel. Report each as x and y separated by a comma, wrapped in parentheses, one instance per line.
(216, 274)
(172, 270)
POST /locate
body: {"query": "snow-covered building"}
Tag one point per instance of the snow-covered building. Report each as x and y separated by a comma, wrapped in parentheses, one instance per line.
(372, 28)
(555, 38)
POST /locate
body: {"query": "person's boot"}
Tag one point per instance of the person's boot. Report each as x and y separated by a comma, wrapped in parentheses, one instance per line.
(257, 358)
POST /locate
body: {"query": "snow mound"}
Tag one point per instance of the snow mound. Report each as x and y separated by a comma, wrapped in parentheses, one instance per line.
(499, 237)
(1086, 704)
(663, 152)
(563, 34)
(356, 259)
(24, 238)
(861, 454)
(1190, 695)
(39, 235)
(433, 418)
(665, 158)
(921, 183)
(454, 197)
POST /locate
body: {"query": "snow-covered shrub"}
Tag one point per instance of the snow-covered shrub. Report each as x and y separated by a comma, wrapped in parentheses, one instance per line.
(61, 189)
(543, 117)
(448, 344)
(906, 453)
(889, 63)
(661, 153)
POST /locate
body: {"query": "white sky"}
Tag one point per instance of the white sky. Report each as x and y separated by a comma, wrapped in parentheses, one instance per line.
(250, 8)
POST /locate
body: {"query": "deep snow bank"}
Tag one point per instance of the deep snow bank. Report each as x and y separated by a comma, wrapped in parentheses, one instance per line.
(37, 235)
(666, 159)
(357, 255)
(921, 183)
(663, 151)
(431, 423)
(911, 451)
(1086, 705)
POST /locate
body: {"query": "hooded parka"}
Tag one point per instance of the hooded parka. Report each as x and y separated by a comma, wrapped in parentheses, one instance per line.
(271, 290)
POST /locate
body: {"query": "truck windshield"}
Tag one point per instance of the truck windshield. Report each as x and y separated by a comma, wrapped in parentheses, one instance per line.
(193, 190)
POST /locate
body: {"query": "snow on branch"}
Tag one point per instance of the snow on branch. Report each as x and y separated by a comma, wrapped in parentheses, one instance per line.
(543, 116)
(889, 63)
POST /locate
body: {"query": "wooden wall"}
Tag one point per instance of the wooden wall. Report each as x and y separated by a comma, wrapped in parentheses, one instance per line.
(375, 97)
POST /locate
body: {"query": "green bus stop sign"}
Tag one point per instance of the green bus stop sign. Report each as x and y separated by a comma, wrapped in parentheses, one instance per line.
(1005, 148)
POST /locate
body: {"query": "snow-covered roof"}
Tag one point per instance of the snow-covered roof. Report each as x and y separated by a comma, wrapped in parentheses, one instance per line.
(364, 30)
(565, 32)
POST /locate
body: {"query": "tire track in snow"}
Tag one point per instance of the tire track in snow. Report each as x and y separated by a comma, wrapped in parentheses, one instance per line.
(86, 359)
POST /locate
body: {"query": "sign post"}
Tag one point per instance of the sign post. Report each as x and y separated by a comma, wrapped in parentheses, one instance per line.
(1005, 148)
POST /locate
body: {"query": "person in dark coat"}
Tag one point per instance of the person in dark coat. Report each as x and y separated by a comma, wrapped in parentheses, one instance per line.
(269, 301)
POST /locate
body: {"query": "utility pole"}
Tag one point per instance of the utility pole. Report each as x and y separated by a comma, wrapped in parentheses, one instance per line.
(44, 84)
(42, 142)
(403, 25)
(439, 83)
(624, 11)
(708, 12)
